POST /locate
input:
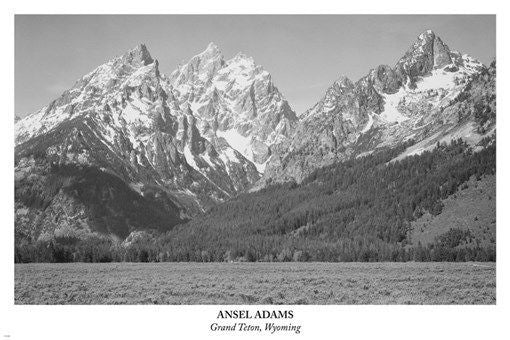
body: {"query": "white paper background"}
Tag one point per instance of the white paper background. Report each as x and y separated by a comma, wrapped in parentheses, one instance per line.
(189, 322)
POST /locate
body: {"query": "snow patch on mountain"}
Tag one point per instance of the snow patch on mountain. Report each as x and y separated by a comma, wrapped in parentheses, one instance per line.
(391, 114)
(190, 159)
(238, 142)
(146, 127)
(370, 123)
(236, 100)
(427, 96)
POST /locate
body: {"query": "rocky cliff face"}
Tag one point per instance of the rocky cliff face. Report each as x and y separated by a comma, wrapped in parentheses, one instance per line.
(432, 94)
(199, 136)
(234, 100)
(214, 128)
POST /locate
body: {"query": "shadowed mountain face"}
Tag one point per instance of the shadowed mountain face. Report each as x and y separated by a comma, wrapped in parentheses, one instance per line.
(79, 199)
(170, 147)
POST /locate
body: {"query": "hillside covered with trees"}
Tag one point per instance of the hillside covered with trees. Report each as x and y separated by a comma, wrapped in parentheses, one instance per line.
(358, 210)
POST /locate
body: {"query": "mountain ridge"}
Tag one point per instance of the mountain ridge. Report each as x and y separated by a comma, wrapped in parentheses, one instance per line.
(127, 119)
(216, 128)
(418, 99)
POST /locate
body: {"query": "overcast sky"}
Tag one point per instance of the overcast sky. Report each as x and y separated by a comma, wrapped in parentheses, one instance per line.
(304, 54)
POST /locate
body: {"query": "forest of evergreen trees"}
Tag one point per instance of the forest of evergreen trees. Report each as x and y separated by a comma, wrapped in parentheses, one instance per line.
(358, 210)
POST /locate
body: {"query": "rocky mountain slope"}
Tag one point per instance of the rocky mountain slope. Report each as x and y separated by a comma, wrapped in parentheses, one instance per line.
(471, 209)
(364, 209)
(236, 100)
(432, 94)
(128, 148)
(196, 137)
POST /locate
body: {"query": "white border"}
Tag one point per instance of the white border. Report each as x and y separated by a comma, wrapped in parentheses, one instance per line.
(318, 322)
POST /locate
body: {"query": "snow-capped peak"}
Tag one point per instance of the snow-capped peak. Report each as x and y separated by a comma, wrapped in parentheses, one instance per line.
(426, 54)
(200, 68)
(126, 117)
(234, 100)
(107, 84)
(425, 97)
(243, 58)
(212, 51)
(426, 35)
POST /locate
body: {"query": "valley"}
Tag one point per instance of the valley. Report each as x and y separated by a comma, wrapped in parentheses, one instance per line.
(256, 283)
(210, 163)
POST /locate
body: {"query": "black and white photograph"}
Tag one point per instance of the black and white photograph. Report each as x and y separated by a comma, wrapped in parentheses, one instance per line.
(253, 163)
(179, 180)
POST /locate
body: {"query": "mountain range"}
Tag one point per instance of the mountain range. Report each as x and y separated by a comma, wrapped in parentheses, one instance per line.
(429, 96)
(128, 148)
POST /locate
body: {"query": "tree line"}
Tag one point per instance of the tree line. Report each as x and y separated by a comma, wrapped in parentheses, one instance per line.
(358, 210)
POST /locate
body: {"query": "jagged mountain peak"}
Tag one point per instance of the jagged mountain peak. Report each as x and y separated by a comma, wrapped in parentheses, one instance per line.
(200, 68)
(101, 88)
(428, 96)
(203, 67)
(426, 37)
(245, 71)
(202, 134)
(241, 56)
(427, 34)
(135, 63)
(427, 53)
(211, 51)
(212, 46)
(343, 82)
(138, 56)
(215, 126)
(234, 100)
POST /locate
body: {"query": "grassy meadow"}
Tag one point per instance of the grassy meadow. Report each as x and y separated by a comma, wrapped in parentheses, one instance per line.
(255, 283)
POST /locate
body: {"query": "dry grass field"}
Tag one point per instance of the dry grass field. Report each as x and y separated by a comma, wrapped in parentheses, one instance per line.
(256, 283)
